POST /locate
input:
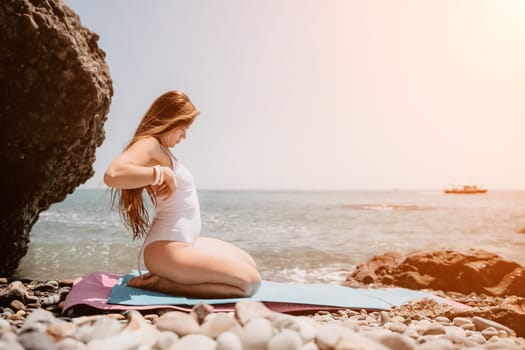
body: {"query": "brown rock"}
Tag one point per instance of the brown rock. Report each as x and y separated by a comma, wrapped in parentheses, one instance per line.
(55, 96)
(59, 330)
(116, 316)
(19, 316)
(475, 271)
(34, 305)
(513, 283)
(200, 311)
(14, 291)
(151, 318)
(17, 305)
(248, 310)
(66, 283)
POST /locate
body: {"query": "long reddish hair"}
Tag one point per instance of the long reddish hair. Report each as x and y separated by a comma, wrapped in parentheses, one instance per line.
(170, 110)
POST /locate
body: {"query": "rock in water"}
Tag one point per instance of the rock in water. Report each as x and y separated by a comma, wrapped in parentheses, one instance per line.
(54, 99)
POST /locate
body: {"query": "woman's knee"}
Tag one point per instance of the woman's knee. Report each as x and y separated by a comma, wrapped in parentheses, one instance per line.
(251, 280)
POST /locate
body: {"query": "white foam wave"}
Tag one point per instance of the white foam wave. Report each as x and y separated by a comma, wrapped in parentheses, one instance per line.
(331, 274)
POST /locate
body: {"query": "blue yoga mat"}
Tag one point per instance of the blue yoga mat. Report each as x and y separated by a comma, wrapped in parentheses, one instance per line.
(311, 294)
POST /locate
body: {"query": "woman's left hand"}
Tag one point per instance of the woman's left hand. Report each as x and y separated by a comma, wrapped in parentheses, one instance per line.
(169, 184)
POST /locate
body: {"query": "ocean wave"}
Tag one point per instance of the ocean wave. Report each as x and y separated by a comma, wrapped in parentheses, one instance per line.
(386, 207)
(330, 274)
(78, 219)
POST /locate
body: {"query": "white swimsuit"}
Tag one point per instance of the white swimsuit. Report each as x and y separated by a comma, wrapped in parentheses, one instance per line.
(177, 218)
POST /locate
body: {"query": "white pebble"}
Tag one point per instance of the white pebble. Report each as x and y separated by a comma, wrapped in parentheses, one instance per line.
(398, 319)
(477, 338)
(351, 324)
(499, 344)
(502, 334)
(70, 344)
(459, 321)
(166, 339)
(229, 341)
(434, 329)
(489, 332)
(8, 345)
(285, 340)
(126, 339)
(412, 332)
(329, 334)
(384, 317)
(422, 325)
(103, 327)
(455, 334)
(397, 341)
(398, 327)
(307, 328)
(437, 344)
(468, 326)
(442, 319)
(482, 323)
(356, 341)
(310, 346)
(256, 334)
(4, 325)
(40, 316)
(283, 321)
(178, 322)
(221, 322)
(195, 341)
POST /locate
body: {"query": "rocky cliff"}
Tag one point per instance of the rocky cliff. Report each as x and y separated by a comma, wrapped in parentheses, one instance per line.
(55, 96)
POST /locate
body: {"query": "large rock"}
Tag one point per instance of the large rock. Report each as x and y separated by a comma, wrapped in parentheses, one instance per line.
(55, 96)
(476, 271)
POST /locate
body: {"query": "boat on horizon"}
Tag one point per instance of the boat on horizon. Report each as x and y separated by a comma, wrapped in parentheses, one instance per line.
(465, 189)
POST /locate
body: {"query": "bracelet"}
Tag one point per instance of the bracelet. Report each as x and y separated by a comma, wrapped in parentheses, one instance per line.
(158, 174)
(161, 177)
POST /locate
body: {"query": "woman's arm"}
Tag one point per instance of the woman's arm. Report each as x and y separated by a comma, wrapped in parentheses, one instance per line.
(134, 167)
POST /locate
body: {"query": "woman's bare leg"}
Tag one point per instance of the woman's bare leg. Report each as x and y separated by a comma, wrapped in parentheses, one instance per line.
(216, 245)
(207, 269)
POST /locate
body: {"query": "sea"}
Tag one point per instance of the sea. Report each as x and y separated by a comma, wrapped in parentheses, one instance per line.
(294, 236)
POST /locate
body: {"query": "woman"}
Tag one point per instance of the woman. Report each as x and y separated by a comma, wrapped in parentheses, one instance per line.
(179, 261)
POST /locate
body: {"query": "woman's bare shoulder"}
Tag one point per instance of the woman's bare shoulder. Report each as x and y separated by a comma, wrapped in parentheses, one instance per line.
(150, 147)
(146, 143)
(142, 150)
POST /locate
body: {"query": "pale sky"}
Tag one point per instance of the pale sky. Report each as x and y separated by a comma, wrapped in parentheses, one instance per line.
(376, 94)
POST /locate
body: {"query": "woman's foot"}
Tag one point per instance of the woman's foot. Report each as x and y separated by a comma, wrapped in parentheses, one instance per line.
(160, 284)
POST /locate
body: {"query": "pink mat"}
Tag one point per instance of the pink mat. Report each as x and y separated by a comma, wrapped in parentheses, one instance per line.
(90, 294)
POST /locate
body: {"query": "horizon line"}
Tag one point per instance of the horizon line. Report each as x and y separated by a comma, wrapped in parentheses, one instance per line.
(316, 189)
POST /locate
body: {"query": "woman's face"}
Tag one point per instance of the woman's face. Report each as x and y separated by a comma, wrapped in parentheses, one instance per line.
(175, 136)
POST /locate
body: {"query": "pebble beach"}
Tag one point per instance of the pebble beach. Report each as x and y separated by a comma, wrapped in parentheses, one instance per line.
(32, 318)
